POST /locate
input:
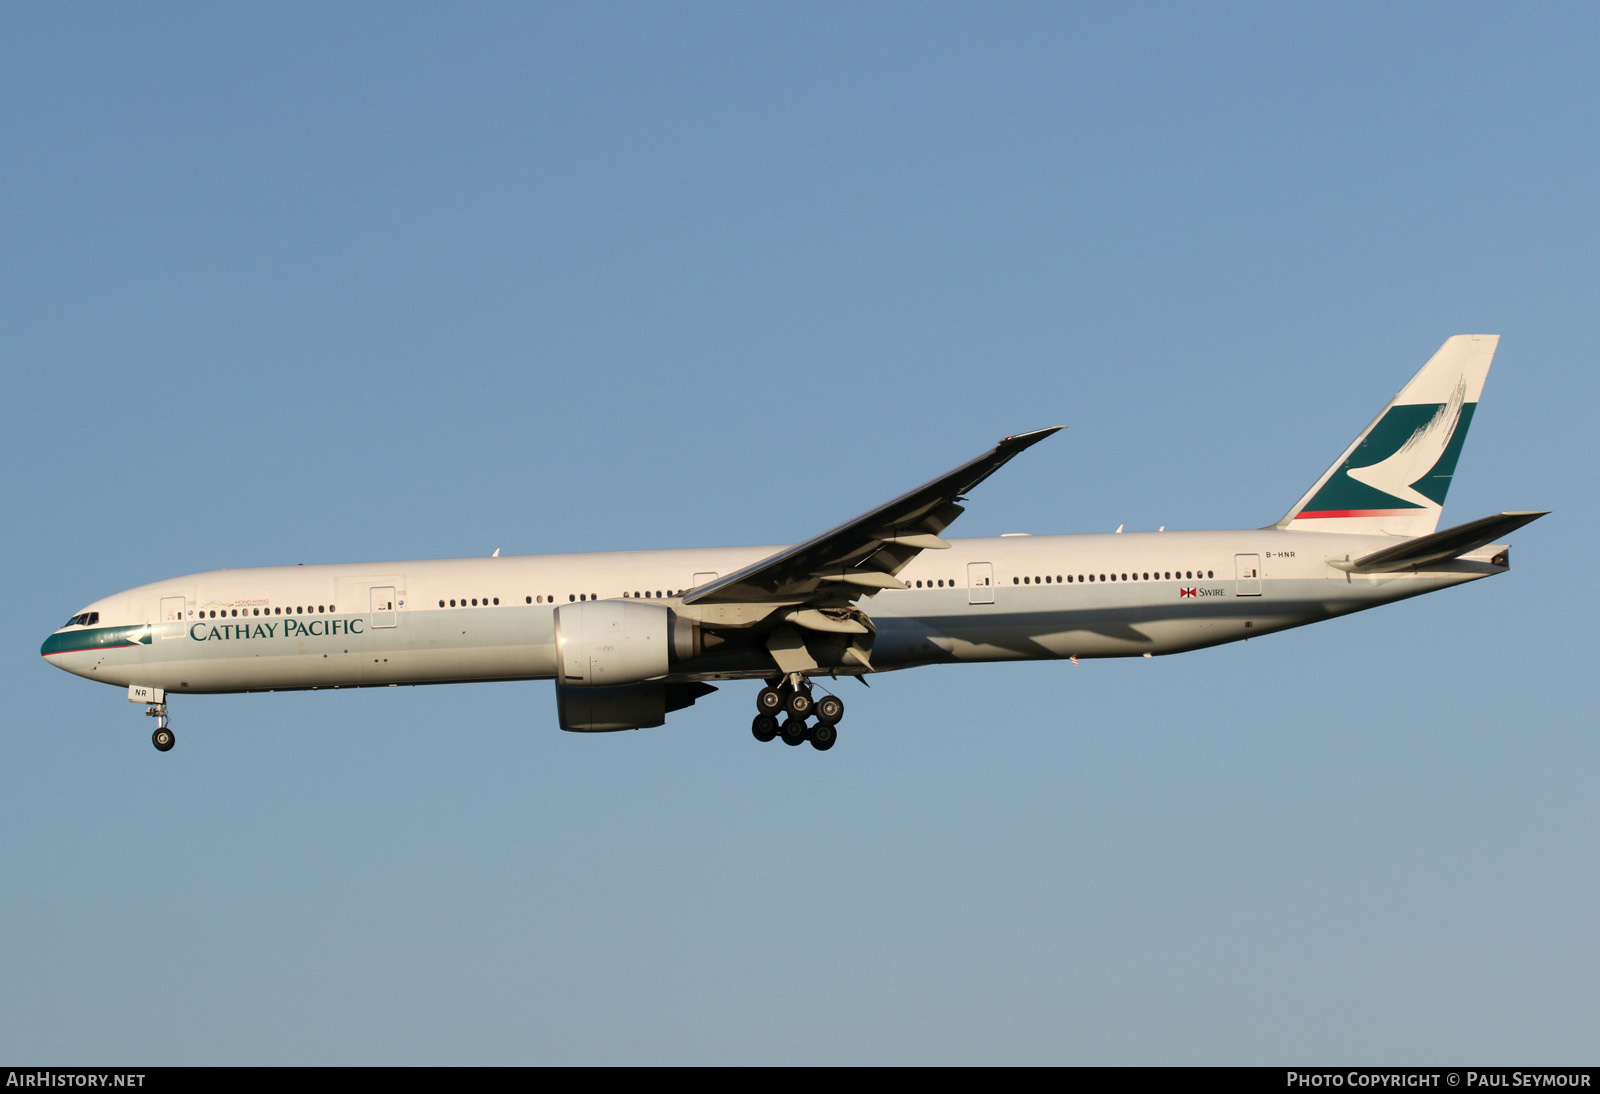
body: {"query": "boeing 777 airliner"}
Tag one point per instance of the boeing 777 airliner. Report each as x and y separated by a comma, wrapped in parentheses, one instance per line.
(629, 637)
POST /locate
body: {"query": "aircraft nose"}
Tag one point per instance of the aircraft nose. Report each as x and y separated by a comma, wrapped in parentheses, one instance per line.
(61, 641)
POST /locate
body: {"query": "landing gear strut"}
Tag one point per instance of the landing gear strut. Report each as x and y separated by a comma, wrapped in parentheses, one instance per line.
(791, 695)
(163, 738)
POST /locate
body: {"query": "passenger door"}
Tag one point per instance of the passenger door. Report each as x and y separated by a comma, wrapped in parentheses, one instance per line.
(1247, 575)
(980, 583)
(383, 614)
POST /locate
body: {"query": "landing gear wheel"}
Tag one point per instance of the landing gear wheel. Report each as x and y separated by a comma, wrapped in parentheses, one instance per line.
(764, 728)
(800, 703)
(163, 739)
(770, 701)
(794, 731)
(830, 708)
(823, 736)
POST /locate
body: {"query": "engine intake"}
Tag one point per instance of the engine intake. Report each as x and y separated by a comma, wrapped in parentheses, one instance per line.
(607, 643)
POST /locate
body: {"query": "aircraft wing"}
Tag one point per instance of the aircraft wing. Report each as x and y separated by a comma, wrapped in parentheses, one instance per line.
(863, 554)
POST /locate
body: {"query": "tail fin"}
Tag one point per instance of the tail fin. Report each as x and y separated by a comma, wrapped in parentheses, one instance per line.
(1392, 479)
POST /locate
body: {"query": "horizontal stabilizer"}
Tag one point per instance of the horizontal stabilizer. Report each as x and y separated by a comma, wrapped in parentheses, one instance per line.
(1422, 551)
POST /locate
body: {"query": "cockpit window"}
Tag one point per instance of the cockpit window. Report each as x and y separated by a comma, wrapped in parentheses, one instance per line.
(84, 619)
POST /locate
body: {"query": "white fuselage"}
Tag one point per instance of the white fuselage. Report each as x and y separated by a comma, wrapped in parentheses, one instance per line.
(460, 620)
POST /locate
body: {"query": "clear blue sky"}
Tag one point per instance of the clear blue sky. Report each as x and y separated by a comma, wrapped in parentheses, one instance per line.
(326, 283)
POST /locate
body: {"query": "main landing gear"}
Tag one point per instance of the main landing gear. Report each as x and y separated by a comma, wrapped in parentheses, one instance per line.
(163, 738)
(791, 697)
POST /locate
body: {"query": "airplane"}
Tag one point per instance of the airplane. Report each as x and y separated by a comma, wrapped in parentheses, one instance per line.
(629, 637)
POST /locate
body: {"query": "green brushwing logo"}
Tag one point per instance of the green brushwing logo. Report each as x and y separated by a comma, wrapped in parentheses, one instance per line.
(1406, 461)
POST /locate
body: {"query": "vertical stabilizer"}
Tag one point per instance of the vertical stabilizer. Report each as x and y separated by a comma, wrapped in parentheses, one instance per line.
(1393, 478)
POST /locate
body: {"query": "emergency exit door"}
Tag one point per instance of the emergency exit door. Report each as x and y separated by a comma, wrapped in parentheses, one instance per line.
(383, 606)
(1247, 575)
(980, 583)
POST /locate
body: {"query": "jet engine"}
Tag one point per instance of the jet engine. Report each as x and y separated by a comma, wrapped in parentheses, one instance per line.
(607, 643)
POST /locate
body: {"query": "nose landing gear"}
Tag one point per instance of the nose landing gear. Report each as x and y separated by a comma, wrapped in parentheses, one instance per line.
(163, 738)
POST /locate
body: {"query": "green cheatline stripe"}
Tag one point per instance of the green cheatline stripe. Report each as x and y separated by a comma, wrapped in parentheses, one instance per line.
(95, 638)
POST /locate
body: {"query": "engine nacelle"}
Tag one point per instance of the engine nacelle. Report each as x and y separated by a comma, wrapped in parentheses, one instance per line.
(635, 706)
(606, 643)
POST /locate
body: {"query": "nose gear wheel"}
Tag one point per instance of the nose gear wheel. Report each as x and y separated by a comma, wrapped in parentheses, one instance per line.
(163, 738)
